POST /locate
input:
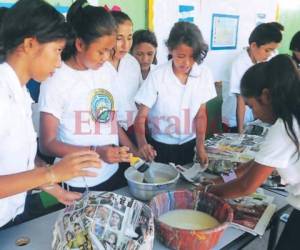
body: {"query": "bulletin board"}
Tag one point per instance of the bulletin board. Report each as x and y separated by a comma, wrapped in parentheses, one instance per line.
(224, 31)
(243, 19)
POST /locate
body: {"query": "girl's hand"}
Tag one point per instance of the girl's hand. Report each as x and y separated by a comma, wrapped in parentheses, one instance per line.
(147, 152)
(202, 155)
(124, 154)
(114, 154)
(74, 165)
(62, 195)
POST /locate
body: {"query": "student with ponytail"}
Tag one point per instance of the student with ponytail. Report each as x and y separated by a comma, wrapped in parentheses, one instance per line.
(77, 103)
(272, 90)
(30, 51)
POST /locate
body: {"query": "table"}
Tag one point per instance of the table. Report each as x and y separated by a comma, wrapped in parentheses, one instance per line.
(40, 230)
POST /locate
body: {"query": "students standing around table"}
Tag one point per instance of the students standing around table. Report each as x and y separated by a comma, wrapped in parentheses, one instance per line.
(128, 72)
(32, 50)
(144, 48)
(78, 104)
(173, 100)
(263, 41)
(295, 48)
(272, 90)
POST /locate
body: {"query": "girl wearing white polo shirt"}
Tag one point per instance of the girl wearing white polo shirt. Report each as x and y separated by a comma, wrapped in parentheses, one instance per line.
(263, 41)
(173, 100)
(144, 48)
(272, 90)
(128, 72)
(30, 52)
(77, 103)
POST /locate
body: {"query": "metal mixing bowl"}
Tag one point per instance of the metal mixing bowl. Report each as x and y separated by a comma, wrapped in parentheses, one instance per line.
(145, 191)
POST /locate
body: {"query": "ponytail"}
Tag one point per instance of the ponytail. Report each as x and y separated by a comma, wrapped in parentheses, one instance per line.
(89, 23)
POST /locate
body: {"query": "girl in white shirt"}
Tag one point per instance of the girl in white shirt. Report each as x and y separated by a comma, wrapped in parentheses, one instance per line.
(30, 51)
(77, 104)
(173, 99)
(263, 41)
(144, 48)
(272, 90)
(128, 72)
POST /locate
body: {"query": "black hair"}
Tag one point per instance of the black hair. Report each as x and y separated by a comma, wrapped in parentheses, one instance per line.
(189, 34)
(31, 18)
(144, 36)
(89, 23)
(265, 33)
(281, 77)
(295, 46)
(120, 17)
(277, 25)
(3, 10)
(295, 42)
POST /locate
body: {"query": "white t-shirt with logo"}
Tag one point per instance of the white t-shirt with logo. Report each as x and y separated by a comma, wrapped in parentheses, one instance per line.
(174, 105)
(240, 65)
(18, 138)
(77, 99)
(278, 151)
(126, 86)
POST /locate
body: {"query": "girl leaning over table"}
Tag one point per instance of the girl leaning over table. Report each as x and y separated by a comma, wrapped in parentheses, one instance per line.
(78, 103)
(30, 51)
(272, 90)
(173, 101)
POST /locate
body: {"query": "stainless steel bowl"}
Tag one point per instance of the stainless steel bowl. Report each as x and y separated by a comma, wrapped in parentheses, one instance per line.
(145, 191)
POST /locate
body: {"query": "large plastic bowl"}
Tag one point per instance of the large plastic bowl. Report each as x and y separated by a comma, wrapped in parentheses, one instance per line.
(182, 239)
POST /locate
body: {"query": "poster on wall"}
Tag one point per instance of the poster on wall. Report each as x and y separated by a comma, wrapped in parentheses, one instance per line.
(224, 31)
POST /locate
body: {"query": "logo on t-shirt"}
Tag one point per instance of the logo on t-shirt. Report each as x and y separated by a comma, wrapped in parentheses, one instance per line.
(102, 105)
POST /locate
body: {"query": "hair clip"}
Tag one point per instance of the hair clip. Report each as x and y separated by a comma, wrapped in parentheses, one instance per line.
(114, 8)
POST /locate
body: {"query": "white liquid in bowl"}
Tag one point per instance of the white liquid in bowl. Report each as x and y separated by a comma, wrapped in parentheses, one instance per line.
(159, 180)
(188, 219)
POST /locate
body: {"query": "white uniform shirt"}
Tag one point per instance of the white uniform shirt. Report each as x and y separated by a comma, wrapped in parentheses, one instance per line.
(174, 105)
(152, 67)
(74, 98)
(240, 65)
(278, 151)
(126, 86)
(17, 136)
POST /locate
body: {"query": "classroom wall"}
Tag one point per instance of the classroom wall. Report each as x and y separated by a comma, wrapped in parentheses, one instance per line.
(200, 12)
(136, 9)
(290, 18)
